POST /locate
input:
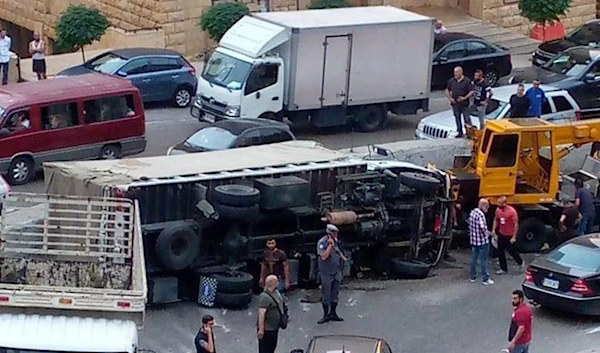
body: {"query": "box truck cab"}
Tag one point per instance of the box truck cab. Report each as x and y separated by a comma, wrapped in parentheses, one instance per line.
(330, 67)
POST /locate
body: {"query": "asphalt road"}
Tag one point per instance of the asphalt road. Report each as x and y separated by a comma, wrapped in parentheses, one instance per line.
(442, 314)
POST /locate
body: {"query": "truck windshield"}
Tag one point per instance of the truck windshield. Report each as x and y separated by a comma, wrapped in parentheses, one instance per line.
(567, 64)
(226, 71)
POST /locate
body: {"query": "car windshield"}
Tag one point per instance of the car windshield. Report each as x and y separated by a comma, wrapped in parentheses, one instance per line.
(211, 138)
(567, 64)
(226, 71)
(586, 34)
(493, 110)
(577, 257)
(106, 63)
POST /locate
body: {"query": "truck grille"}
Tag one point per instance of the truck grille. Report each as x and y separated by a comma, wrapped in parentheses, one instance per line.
(213, 107)
(543, 54)
(435, 132)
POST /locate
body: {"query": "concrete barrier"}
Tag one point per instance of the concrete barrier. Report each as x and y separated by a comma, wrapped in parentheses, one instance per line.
(441, 153)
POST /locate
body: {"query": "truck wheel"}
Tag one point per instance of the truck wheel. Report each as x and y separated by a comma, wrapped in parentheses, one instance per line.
(233, 301)
(177, 247)
(410, 269)
(236, 195)
(420, 182)
(233, 283)
(242, 214)
(371, 118)
(532, 235)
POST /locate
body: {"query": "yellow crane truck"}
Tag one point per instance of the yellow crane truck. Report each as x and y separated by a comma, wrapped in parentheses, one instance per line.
(520, 159)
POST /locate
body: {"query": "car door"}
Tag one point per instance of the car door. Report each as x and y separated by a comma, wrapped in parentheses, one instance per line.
(263, 91)
(478, 58)
(164, 75)
(563, 111)
(274, 135)
(248, 138)
(136, 71)
(444, 62)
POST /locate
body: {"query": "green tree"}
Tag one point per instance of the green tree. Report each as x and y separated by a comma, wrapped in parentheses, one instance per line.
(544, 11)
(329, 4)
(219, 18)
(80, 25)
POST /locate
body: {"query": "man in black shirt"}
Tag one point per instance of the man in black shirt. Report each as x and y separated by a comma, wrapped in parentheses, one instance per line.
(569, 221)
(519, 103)
(205, 339)
(483, 93)
(459, 90)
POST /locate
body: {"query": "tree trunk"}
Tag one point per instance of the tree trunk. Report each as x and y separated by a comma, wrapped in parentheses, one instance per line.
(83, 54)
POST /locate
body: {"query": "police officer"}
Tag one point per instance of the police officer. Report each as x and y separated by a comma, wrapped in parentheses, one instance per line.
(330, 270)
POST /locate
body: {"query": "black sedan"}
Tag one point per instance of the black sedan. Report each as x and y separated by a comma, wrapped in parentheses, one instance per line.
(234, 133)
(472, 53)
(568, 278)
(346, 343)
(587, 34)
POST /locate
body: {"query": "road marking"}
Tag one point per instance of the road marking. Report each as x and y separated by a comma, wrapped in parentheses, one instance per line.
(593, 330)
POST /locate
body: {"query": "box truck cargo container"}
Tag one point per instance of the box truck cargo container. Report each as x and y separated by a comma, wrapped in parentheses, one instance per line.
(332, 67)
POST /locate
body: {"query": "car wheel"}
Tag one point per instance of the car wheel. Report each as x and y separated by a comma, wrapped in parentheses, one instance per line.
(177, 247)
(20, 171)
(491, 77)
(233, 301)
(110, 152)
(241, 214)
(234, 282)
(421, 182)
(371, 118)
(413, 269)
(531, 235)
(182, 97)
(236, 195)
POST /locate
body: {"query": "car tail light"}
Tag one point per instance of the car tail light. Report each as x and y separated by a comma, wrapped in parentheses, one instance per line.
(190, 66)
(580, 286)
(528, 275)
(437, 225)
(124, 305)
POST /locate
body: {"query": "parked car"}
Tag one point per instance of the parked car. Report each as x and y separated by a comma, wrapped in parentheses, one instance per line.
(560, 108)
(568, 278)
(586, 35)
(161, 75)
(225, 134)
(346, 343)
(576, 70)
(84, 117)
(460, 49)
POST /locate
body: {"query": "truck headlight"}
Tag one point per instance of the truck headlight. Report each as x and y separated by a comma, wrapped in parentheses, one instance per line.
(233, 110)
(198, 101)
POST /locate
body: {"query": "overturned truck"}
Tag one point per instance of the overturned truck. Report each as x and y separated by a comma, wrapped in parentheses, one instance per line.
(208, 215)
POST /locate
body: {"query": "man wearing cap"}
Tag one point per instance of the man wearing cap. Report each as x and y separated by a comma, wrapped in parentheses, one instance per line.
(330, 270)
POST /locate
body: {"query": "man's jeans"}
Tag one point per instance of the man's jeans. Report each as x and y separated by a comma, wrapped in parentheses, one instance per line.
(461, 113)
(480, 111)
(4, 69)
(482, 254)
(586, 224)
(521, 348)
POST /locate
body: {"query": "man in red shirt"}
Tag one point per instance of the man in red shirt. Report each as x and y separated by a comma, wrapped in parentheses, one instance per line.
(519, 334)
(506, 225)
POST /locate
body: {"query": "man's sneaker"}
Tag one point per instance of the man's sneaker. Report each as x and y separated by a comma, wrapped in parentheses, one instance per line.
(500, 272)
(488, 282)
(472, 280)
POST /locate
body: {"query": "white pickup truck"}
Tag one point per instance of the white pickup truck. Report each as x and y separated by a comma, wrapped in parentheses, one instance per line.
(72, 275)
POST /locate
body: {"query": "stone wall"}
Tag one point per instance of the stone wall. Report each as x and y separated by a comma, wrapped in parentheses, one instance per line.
(505, 13)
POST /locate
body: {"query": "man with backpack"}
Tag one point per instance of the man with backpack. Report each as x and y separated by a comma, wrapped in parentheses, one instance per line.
(272, 315)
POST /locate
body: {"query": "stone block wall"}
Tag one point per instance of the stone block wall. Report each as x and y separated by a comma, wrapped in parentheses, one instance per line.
(505, 13)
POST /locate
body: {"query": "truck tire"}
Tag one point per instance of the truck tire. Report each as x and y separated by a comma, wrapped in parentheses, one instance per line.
(531, 235)
(413, 269)
(233, 283)
(371, 118)
(236, 195)
(177, 247)
(241, 214)
(421, 182)
(233, 301)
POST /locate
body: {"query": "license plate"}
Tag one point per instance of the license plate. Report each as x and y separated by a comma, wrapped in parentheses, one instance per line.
(195, 112)
(209, 117)
(550, 283)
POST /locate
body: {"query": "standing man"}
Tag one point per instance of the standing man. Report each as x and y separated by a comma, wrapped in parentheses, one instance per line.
(330, 271)
(275, 262)
(439, 28)
(458, 91)
(537, 97)
(5, 44)
(519, 103)
(506, 225)
(270, 308)
(37, 49)
(205, 339)
(569, 221)
(584, 200)
(519, 334)
(482, 95)
(480, 241)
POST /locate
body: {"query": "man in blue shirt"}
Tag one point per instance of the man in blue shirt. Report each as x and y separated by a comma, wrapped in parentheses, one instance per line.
(537, 97)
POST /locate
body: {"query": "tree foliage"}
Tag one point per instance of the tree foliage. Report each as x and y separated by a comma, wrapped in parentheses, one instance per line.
(219, 18)
(544, 11)
(80, 25)
(329, 4)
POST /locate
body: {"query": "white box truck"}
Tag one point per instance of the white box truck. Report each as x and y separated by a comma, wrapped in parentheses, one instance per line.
(72, 275)
(330, 67)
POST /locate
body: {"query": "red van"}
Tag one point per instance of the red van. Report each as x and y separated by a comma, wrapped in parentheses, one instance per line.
(90, 116)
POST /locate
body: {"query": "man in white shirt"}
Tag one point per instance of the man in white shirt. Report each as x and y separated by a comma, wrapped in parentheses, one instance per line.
(37, 49)
(439, 28)
(5, 43)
